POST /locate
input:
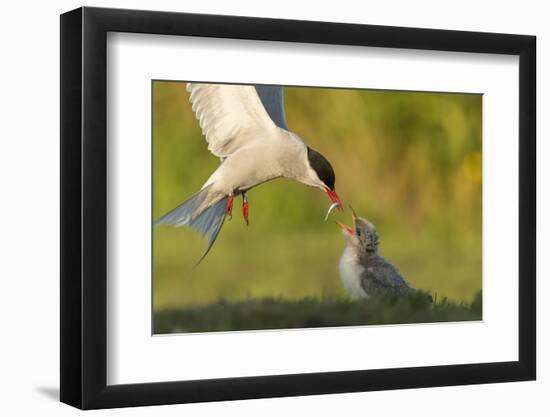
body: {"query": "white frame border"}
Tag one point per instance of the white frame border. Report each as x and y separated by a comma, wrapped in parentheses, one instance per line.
(134, 356)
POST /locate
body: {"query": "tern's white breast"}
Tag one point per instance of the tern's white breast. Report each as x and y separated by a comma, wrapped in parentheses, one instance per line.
(350, 274)
(274, 156)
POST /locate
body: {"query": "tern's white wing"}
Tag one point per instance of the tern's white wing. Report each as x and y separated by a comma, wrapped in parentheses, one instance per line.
(226, 114)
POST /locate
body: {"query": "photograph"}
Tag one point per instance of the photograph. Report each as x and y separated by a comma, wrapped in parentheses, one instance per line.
(284, 207)
(259, 206)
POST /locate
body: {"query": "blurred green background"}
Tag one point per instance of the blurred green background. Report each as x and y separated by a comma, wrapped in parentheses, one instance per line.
(408, 161)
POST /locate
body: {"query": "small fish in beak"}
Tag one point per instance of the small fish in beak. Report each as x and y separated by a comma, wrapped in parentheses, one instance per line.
(336, 202)
(332, 207)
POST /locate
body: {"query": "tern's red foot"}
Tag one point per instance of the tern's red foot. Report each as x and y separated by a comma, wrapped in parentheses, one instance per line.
(245, 210)
(230, 206)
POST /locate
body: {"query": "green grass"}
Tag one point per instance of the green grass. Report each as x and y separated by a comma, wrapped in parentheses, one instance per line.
(269, 313)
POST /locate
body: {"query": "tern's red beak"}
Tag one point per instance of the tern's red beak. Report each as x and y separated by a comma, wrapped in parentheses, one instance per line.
(334, 198)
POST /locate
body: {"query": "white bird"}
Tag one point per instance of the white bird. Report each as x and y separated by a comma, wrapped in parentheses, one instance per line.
(245, 127)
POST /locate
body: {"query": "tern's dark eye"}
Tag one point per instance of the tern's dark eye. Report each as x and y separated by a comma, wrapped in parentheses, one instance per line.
(358, 232)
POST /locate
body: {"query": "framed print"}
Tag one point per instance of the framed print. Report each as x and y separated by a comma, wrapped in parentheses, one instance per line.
(257, 208)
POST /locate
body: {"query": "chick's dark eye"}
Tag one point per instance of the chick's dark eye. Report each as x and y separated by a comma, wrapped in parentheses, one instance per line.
(358, 232)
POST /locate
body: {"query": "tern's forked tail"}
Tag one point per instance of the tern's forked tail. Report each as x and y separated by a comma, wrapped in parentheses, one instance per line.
(192, 213)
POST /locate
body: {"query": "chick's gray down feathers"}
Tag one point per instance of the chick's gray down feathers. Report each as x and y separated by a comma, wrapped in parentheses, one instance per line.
(381, 277)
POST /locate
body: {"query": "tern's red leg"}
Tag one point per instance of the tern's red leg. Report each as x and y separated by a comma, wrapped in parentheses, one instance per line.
(245, 209)
(230, 205)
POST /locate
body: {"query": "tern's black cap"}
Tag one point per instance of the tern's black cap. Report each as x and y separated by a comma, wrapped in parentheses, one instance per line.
(322, 167)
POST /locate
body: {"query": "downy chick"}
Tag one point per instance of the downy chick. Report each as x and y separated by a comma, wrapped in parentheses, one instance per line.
(362, 270)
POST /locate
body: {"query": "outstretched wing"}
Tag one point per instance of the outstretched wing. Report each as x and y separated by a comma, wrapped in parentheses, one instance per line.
(227, 114)
(272, 99)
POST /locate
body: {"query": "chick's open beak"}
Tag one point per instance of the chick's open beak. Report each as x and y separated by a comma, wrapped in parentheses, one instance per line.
(346, 228)
(349, 230)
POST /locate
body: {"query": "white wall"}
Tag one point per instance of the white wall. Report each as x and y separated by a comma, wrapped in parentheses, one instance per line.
(29, 102)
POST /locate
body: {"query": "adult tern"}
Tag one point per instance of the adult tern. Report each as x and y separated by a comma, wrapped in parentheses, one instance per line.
(245, 126)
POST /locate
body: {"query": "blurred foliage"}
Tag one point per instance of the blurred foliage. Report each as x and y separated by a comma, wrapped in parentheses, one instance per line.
(408, 161)
(310, 312)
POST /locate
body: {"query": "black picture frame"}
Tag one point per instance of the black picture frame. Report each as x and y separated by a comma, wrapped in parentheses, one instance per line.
(84, 207)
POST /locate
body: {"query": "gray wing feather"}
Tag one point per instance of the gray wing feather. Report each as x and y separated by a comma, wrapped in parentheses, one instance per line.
(272, 99)
(214, 218)
(382, 277)
(183, 214)
(192, 213)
